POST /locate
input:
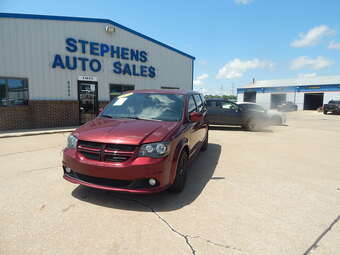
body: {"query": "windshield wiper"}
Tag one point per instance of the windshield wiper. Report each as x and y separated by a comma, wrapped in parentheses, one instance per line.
(137, 118)
(106, 116)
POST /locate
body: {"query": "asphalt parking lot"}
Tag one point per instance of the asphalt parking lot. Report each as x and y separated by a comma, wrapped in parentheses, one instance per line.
(272, 192)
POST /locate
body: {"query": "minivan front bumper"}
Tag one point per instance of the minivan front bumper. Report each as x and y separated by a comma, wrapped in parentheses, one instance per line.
(131, 176)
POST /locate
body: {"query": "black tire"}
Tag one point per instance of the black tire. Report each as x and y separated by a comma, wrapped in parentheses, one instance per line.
(181, 174)
(252, 125)
(325, 112)
(205, 143)
(276, 120)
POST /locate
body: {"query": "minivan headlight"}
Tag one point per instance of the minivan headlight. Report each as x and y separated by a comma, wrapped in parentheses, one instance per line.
(72, 142)
(154, 150)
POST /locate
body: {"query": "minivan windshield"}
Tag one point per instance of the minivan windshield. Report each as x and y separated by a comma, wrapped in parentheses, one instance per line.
(146, 106)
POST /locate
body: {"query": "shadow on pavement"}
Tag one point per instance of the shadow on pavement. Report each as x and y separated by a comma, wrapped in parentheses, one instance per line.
(227, 128)
(200, 173)
(237, 128)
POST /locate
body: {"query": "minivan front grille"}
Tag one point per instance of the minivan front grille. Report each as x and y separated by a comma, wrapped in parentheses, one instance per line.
(115, 158)
(120, 147)
(106, 152)
(101, 181)
(91, 155)
(92, 145)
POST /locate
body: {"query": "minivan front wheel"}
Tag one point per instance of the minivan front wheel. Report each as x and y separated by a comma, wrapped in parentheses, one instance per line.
(181, 174)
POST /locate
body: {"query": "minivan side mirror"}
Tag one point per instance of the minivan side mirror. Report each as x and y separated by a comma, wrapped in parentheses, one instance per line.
(196, 116)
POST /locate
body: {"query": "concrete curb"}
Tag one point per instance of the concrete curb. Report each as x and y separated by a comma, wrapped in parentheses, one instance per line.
(32, 132)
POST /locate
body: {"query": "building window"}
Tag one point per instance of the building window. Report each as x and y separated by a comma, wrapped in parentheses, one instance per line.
(13, 91)
(118, 89)
(249, 97)
(167, 87)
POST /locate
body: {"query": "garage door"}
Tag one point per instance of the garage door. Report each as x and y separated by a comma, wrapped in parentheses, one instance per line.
(277, 99)
(313, 101)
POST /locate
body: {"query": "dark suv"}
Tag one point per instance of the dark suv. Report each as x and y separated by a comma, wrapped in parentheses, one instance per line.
(250, 116)
(333, 106)
(141, 142)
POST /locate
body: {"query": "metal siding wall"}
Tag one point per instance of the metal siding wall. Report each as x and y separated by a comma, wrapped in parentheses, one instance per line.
(263, 99)
(240, 97)
(299, 100)
(29, 46)
(330, 95)
(290, 97)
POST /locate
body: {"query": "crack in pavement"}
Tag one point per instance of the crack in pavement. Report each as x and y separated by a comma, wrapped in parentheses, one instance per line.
(314, 246)
(186, 237)
(20, 152)
(39, 169)
(218, 244)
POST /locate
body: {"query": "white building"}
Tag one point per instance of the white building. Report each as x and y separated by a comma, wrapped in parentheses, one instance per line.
(306, 93)
(51, 67)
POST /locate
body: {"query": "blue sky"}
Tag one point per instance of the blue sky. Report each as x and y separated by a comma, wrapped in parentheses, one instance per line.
(233, 40)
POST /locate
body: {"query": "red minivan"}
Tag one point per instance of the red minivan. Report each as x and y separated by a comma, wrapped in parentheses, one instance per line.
(141, 142)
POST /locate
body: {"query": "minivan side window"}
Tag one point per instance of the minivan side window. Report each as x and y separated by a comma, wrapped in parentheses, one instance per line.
(198, 102)
(192, 105)
(204, 102)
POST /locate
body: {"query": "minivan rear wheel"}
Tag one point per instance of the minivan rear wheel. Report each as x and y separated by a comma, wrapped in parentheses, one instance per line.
(181, 174)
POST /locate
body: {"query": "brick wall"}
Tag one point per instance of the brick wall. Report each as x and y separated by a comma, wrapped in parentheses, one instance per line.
(15, 117)
(39, 114)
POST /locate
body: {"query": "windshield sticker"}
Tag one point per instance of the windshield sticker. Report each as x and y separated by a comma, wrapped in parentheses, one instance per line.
(125, 95)
(119, 102)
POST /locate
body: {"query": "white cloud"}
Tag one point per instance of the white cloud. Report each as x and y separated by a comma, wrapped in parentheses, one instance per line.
(243, 1)
(236, 68)
(202, 77)
(312, 37)
(334, 45)
(306, 62)
(307, 75)
(199, 79)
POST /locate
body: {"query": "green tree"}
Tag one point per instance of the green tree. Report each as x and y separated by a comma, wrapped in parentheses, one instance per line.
(228, 97)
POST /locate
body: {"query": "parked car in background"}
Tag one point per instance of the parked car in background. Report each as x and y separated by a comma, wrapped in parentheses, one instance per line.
(287, 107)
(140, 143)
(250, 116)
(276, 118)
(333, 106)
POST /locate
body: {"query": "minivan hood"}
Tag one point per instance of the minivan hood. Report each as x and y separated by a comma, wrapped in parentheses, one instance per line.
(124, 131)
